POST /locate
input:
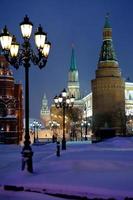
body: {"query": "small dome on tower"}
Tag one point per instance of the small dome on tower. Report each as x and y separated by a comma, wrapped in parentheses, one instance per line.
(4, 67)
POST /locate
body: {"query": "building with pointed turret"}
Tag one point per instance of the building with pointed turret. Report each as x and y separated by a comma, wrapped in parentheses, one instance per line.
(73, 78)
(11, 109)
(45, 112)
(73, 84)
(108, 88)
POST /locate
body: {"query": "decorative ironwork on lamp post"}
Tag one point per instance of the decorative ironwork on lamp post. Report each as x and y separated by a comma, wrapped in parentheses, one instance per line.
(63, 101)
(25, 56)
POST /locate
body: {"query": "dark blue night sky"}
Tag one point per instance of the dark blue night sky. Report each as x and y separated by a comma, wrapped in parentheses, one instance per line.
(71, 21)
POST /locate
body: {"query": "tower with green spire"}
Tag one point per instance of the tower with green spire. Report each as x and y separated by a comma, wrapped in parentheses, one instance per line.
(108, 88)
(73, 77)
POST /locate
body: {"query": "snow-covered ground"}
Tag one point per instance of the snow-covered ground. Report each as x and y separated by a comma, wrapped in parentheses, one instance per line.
(101, 170)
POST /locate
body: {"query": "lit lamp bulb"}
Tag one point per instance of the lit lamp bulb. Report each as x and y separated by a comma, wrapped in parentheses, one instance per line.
(56, 99)
(5, 39)
(26, 27)
(46, 49)
(68, 100)
(64, 93)
(14, 48)
(72, 99)
(40, 38)
(60, 99)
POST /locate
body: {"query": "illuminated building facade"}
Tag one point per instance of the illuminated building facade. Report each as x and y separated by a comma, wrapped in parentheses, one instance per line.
(129, 98)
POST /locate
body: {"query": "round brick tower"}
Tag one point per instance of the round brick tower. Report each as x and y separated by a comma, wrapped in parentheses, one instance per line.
(108, 90)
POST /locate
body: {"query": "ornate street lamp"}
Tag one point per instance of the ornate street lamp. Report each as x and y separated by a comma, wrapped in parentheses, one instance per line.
(63, 101)
(54, 126)
(37, 126)
(85, 124)
(25, 56)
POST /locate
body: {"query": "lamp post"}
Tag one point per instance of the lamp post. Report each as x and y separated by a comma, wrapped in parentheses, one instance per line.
(39, 127)
(63, 101)
(86, 129)
(33, 131)
(25, 56)
(82, 125)
(85, 125)
(36, 125)
(85, 122)
(54, 125)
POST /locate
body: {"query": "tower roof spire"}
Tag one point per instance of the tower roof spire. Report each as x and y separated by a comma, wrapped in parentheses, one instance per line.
(107, 53)
(73, 66)
(107, 24)
(107, 31)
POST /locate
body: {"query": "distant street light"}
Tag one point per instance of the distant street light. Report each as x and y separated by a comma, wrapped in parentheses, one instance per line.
(63, 101)
(85, 125)
(36, 125)
(25, 56)
(54, 125)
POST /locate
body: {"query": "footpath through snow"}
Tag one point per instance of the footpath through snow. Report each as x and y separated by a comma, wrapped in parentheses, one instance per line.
(102, 170)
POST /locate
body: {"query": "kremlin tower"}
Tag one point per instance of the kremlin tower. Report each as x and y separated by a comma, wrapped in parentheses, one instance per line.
(108, 89)
(73, 78)
(45, 112)
(11, 111)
